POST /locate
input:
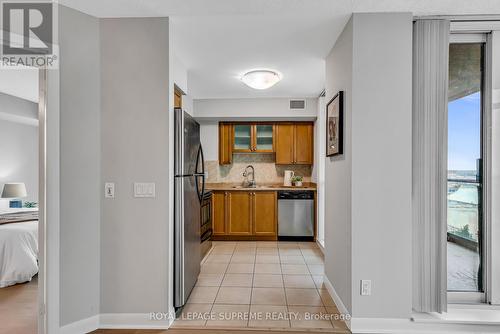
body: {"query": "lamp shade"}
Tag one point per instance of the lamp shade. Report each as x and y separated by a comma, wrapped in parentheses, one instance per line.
(261, 79)
(14, 190)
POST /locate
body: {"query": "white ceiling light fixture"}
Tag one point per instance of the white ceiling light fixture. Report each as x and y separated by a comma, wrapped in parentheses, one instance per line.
(261, 79)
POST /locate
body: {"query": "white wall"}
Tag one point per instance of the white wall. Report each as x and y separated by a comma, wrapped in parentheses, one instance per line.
(372, 62)
(180, 79)
(209, 137)
(381, 163)
(79, 165)
(18, 145)
(180, 73)
(241, 109)
(135, 148)
(338, 243)
(15, 108)
(318, 175)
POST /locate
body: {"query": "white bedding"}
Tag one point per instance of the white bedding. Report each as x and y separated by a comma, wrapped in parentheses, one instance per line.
(18, 252)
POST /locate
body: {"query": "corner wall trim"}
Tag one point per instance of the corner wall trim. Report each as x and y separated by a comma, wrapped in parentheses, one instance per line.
(337, 300)
(132, 321)
(321, 247)
(82, 326)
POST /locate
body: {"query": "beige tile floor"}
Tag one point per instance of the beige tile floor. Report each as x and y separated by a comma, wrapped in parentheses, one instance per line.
(268, 285)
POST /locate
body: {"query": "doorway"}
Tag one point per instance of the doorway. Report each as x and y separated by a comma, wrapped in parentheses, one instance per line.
(466, 171)
(22, 206)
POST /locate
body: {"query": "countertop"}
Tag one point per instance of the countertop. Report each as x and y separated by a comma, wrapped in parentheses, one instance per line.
(260, 187)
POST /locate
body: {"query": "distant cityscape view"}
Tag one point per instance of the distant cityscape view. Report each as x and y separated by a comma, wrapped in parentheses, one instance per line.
(464, 148)
(463, 199)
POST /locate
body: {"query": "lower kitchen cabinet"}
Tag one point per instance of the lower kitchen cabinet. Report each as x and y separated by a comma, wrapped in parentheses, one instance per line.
(218, 213)
(265, 213)
(239, 213)
(245, 215)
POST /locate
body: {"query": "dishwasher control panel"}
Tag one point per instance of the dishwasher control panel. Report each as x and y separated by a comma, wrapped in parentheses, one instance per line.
(296, 194)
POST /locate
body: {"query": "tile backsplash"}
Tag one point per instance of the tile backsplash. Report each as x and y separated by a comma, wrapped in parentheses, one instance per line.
(266, 171)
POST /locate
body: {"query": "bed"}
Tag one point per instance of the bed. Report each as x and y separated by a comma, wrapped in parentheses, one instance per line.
(18, 246)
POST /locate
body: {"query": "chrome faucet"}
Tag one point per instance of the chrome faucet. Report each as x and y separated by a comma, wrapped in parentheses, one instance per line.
(246, 182)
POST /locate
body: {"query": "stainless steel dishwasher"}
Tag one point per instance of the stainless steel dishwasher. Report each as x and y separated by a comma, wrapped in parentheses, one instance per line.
(296, 215)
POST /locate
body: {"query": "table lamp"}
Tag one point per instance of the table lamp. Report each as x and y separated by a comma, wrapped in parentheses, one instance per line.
(14, 191)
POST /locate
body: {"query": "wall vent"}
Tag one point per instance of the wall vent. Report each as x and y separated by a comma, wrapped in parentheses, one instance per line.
(297, 104)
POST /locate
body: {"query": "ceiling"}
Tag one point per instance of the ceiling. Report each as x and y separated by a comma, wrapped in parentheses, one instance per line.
(218, 40)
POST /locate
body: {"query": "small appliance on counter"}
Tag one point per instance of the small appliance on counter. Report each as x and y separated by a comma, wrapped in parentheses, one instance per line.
(287, 181)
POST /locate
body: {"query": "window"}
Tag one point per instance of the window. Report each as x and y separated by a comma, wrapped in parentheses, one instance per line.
(465, 224)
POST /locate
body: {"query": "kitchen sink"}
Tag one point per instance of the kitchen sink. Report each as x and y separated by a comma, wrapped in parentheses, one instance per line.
(256, 187)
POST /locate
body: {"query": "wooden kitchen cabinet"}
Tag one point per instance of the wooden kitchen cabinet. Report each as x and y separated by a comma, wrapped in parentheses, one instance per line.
(239, 214)
(294, 143)
(303, 144)
(219, 213)
(244, 215)
(284, 144)
(265, 213)
(177, 99)
(225, 143)
(253, 138)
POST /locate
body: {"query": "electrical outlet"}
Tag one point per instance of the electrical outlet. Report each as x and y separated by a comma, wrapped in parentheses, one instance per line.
(109, 190)
(366, 287)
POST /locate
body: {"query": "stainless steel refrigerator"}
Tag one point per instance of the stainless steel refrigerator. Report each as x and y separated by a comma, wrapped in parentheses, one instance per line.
(188, 194)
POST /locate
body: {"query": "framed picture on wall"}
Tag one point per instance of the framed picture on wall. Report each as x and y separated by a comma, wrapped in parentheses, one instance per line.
(335, 125)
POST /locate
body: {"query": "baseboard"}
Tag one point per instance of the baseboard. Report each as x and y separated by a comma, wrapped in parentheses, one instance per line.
(399, 326)
(340, 304)
(135, 321)
(321, 247)
(82, 326)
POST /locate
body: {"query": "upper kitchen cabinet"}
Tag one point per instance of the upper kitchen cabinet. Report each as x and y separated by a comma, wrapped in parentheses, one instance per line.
(303, 144)
(253, 138)
(263, 138)
(242, 138)
(284, 144)
(177, 99)
(294, 143)
(225, 143)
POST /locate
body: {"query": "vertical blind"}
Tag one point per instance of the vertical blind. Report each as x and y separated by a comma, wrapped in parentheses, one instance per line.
(430, 99)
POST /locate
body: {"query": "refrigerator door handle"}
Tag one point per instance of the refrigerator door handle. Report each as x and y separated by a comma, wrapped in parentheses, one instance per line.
(200, 193)
(200, 155)
(200, 173)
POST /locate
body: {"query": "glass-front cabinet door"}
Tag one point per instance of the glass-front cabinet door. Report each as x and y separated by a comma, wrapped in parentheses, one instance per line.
(263, 138)
(253, 138)
(242, 138)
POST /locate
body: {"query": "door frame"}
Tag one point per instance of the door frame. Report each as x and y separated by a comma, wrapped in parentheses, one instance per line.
(42, 208)
(471, 297)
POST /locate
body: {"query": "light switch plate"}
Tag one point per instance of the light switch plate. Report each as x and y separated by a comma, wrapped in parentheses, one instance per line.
(366, 287)
(144, 190)
(109, 190)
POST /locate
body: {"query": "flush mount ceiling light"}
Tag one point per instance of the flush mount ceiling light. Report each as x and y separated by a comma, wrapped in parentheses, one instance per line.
(261, 79)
